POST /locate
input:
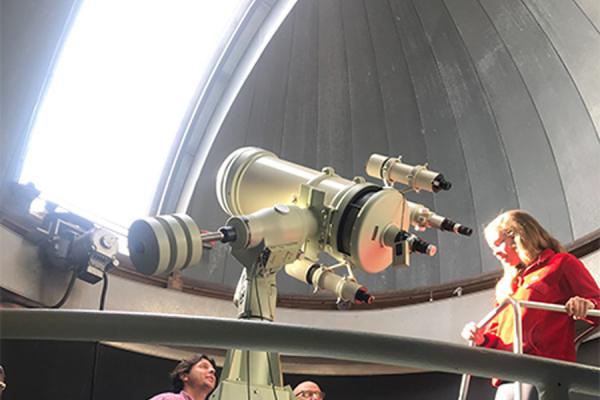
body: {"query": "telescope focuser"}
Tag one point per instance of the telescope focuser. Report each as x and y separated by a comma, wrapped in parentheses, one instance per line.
(422, 218)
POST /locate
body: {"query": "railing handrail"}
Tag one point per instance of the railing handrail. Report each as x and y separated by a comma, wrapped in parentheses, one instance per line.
(518, 334)
(555, 377)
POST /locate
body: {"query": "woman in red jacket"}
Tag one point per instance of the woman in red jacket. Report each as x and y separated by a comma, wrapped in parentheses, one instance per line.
(536, 268)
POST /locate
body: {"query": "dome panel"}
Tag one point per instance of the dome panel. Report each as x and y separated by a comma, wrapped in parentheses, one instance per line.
(497, 96)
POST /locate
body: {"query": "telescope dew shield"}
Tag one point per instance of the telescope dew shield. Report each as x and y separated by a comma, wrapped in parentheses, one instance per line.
(163, 244)
(251, 179)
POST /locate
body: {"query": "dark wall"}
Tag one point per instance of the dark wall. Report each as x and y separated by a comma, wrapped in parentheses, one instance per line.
(74, 371)
(47, 370)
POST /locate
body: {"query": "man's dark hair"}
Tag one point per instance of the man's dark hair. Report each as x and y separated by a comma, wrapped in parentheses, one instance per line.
(185, 366)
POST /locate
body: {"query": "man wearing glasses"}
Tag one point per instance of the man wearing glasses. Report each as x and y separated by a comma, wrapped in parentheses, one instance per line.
(308, 390)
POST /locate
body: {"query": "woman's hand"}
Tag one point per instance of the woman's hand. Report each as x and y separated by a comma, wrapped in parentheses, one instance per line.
(474, 333)
(577, 307)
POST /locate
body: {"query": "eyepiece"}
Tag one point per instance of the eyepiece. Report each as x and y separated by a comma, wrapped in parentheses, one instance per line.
(449, 225)
(421, 246)
(363, 297)
(464, 230)
(440, 183)
(416, 244)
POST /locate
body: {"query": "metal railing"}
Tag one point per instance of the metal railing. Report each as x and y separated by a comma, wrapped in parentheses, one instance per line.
(517, 333)
(554, 378)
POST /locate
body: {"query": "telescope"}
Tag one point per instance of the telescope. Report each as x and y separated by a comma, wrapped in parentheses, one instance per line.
(285, 216)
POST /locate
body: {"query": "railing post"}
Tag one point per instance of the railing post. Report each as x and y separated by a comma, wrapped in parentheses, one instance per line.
(465, 381)
(517, 340)
(466, 378)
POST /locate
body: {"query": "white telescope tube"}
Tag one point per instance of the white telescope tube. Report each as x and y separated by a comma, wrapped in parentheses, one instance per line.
(251, 179)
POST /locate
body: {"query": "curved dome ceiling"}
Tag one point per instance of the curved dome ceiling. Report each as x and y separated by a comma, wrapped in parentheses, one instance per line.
(502, 97)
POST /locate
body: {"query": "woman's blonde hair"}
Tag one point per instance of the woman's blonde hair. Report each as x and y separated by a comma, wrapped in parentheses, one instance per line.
(530, 240)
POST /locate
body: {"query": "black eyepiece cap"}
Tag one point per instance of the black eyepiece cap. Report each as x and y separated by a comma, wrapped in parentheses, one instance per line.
(440, 183)
(465, 230)
(363, 297)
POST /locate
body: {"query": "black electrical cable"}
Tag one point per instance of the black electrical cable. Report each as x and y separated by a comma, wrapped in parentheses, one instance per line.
(97, 344)
(72, 280)
(267, 354)
(102, 302)
(104, 290)
(67, 292)
(94, 368)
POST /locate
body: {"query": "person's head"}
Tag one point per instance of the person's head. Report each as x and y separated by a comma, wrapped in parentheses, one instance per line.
(2, 381)
(516, 238)
(197, 372)
(308, 390)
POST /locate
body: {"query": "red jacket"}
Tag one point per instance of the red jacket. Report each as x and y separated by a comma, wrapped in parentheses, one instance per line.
(552, 278)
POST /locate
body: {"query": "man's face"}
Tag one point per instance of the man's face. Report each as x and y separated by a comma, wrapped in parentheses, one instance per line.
(201, 375)
(308, 391)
